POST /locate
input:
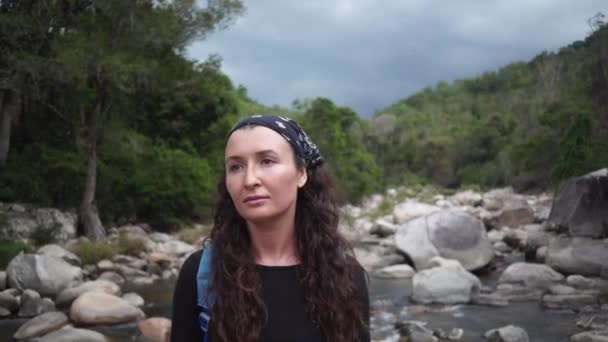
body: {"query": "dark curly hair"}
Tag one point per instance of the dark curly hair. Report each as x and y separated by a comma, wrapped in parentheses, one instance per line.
(328, 267)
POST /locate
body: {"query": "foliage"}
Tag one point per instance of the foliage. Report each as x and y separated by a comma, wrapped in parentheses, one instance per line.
(45, 234)
(130, 245)
(9, 249)
(90, 253)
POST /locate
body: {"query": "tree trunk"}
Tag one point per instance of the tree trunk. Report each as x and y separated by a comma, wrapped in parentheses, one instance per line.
(8, 107)
(88, 217)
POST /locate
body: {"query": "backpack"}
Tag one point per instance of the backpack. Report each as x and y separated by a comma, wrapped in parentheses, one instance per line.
(206, 298)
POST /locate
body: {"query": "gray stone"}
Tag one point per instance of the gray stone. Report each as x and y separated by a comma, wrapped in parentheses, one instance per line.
(41, 325)
(509, 333)
(32, 304)
(518, 293)
(489, 299)
(4, 312)
(580, 205)
(2, 280)
(590, 336)
(411, 209)
(70, 334)
(577, 255)
(530, 275)
(46, 275)
(515, 212)
(9, 301)
(67, 296)
(447, 282)
(60, 252)
(568, 301)
(102, 308)
(383, 228)
(396, 271)
(134, 299)
(450, 234)
(113, 277)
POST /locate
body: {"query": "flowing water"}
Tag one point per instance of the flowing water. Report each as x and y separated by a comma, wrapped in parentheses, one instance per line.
(541, 325)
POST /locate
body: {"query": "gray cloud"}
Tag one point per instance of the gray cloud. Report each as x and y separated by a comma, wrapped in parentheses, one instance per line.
(367, 54)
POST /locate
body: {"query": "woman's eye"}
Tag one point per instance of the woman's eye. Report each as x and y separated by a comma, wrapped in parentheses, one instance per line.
(267, 162)
(234, 168)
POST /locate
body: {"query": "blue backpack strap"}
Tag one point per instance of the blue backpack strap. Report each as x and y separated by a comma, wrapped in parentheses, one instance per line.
(206, 298)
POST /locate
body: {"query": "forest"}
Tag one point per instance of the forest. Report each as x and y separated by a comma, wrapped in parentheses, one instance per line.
(101, 111)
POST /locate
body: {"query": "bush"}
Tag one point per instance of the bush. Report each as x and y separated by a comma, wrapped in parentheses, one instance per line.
(131, 245)
(90, 253)
(9, 249)
(194, 234)
(45, 234)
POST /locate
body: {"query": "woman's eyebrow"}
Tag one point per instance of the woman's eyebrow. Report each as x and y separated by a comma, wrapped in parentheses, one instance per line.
(258, 153)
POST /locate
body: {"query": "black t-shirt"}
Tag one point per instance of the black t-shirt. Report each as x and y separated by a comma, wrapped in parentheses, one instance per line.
(287, 318)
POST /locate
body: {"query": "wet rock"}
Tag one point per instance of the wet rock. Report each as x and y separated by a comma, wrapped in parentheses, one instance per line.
(447, 283)
(590, 336)
(67, 296)
(531, 275)
(580, 205)
(46, 275)
(489, 299)
(577, 255)
(509, 333)
(518, 293)
(562, 290)
(396, 271)
(4, 312)
(41, 325)
(416, 331)
(60, 252)
(450, 234)
(155, 329)
(581, 282)
(101, 308)
(568, 301)
(70, 334)
(410, 210)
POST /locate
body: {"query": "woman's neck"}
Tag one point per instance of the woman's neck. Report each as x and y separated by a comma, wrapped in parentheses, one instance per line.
(274, 244)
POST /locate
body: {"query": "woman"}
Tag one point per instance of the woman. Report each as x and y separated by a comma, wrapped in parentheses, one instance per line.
(279, 270)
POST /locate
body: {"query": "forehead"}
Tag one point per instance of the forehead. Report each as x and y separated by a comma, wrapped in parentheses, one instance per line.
(251, 140)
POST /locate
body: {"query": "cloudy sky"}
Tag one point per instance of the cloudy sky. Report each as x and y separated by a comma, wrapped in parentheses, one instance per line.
(367, 54)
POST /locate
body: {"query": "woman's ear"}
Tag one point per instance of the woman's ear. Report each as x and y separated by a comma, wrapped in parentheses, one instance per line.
(302, 177)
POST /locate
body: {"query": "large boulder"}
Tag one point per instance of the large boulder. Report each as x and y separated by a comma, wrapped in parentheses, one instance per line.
(530, 275)
(450, 234)
(67, 296)
(577, 255)
(411, 209)
(509, 333)
(156, 329)
(515, 212)
(447, 282)
(60, 252)
(46, 275)
(93, 308)
(580, 205)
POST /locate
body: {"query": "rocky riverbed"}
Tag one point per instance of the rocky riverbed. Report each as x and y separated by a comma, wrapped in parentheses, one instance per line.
(472, 266)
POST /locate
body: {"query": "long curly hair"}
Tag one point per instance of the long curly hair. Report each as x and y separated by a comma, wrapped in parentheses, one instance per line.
(328, 267)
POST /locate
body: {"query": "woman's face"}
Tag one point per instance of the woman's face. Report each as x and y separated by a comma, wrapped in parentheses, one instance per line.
(261, 174)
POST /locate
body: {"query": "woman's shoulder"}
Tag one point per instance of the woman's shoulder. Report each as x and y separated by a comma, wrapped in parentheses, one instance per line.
(190, 265)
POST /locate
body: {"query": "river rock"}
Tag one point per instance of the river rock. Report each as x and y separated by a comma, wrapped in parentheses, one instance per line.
(113, 277)
(515, 212)
(32, 305)
(46, 275)
(67, 296)
(70, 334)
(581, 282)
(134, 299)
(41, 325)
(590, 336)
(411, 209)
(396, 271)
(378, 256)
(2, 280)
(468, 198)
(580, 205)
(155, 329)
(494, 199)
(447, 282)
(450, 234)
(509, 333)
(9, 301)
(175, 248)
(530, 275)
(4, 312)
(23, 223)
(568, 301)
(383, 228)
(577, 255)
(160, 237)
(518, 293)
(101, 308)
(60, 252)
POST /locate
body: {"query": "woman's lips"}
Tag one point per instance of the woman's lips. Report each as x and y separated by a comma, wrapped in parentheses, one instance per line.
(255, 200)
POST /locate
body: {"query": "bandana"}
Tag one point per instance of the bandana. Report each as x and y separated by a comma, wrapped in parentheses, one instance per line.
(294, 134)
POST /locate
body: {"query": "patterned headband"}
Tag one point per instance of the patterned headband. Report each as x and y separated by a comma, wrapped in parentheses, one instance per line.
(294, 134)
